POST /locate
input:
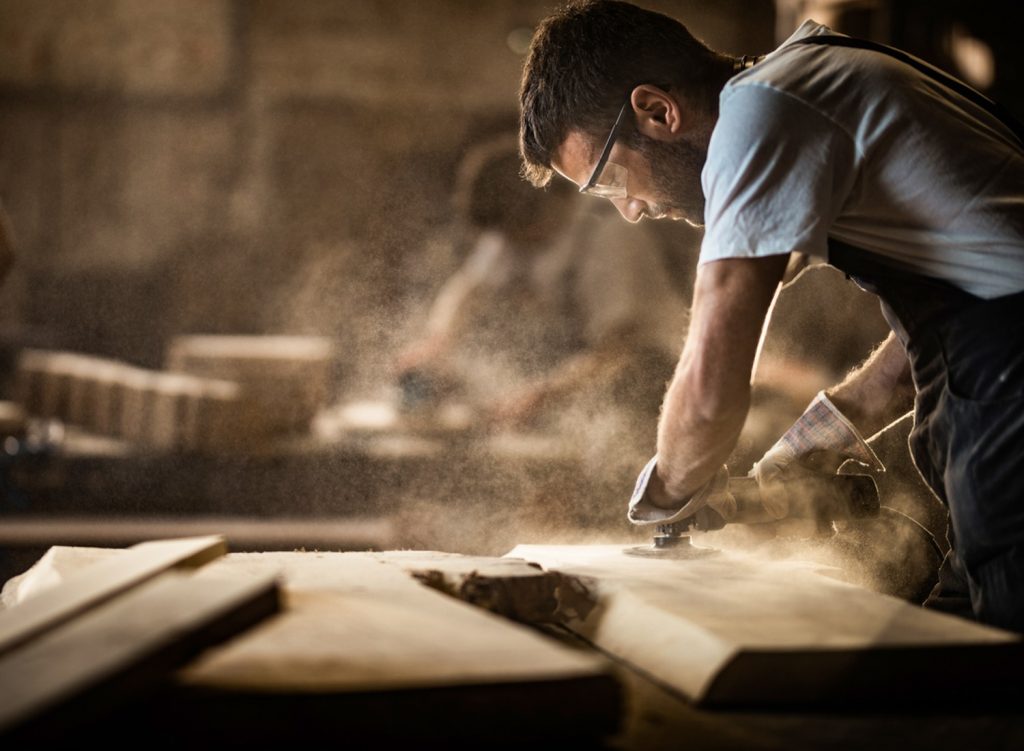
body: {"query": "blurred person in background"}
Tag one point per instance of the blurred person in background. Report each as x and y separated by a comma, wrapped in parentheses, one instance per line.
(561, 316)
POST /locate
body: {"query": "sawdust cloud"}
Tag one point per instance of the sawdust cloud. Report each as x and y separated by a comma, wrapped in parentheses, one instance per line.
(375, 311)
(891, 554)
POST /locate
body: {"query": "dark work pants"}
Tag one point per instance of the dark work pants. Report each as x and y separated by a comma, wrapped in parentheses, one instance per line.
(967, 358)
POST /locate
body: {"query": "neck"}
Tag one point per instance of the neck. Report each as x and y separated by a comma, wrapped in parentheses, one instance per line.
(723, 69)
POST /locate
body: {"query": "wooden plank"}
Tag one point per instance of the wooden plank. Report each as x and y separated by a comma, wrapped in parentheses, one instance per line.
(98, 583)
(112, 652)
(733, 630)
(245, 533)
(361, 639)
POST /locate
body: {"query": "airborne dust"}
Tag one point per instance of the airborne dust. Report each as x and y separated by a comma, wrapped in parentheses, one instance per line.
(275, 185)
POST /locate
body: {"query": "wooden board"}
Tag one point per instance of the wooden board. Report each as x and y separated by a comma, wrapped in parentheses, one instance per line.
(95, 584)
(245, 533)
(733, 630)
(108, 654)
(364, 641)
(376, 655)
(364, 623)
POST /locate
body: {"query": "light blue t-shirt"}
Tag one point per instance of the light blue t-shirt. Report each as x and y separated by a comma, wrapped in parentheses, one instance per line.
(820, 140)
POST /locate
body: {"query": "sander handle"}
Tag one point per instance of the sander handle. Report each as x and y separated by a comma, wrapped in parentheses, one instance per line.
(824, 498)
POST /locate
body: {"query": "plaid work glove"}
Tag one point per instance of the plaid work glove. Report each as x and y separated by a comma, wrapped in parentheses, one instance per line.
(715, 493)
(821, 430)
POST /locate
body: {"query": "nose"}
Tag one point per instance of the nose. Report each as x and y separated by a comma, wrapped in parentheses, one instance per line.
(631, 209)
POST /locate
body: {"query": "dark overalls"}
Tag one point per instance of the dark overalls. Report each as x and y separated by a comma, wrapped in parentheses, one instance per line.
(967, 359)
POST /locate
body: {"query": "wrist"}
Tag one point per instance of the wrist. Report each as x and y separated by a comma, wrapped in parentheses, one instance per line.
(861, 410)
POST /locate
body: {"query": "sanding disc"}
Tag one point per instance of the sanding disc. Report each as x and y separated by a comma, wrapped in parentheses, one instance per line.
(680, 549)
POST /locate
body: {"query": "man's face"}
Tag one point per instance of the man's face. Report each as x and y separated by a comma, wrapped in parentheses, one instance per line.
(663, 180)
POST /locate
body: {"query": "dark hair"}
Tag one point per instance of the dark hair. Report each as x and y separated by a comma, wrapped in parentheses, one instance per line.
(584, 61)
(490, 193)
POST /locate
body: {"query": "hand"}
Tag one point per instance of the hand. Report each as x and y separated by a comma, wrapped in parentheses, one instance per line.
(652, 504)
(781, 458)
(821, 440)
(518, 409)
(426, 354)
(657, 494)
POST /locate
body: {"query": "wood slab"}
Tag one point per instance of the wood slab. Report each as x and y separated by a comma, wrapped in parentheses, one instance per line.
(106, 656)
(365, 648)
(362, 622)
(729, 630)
(92, 585)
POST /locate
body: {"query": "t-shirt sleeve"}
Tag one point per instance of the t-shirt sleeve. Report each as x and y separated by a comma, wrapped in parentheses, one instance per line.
(777, 175)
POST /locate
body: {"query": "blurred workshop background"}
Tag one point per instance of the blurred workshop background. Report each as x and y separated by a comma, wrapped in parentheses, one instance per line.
(236, 224)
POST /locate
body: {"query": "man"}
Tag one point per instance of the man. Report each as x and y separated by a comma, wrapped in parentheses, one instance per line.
(893, 172)
(557, 308)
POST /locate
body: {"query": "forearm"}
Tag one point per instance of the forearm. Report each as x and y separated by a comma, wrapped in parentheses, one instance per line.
(709, 396)
(696, 435)
(597, 362)
(450, 310)
(879, 391)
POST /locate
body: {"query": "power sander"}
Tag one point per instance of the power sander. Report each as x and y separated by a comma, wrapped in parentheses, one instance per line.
(812, 495)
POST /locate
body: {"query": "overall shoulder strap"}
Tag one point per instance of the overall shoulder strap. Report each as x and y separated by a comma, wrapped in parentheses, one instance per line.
(975, 96)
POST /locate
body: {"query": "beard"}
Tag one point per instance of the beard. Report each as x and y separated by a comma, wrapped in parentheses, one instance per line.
(675, 174)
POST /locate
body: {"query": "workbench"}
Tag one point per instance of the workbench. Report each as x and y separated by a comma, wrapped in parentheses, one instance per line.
(377, 648)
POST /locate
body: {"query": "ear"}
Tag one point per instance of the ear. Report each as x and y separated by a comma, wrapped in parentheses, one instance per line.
(659, 115)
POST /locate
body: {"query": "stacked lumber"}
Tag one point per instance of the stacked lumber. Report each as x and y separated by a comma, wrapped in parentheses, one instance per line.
(153, 408)
(289, 377)
(217, 392)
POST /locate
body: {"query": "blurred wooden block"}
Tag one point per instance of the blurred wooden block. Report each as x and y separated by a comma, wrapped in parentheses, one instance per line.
(110, 654)
(67, 386)
(55, 389)
(12, 419)
(288, 377)
(136, 404)
(170, 394)
(28, 383)
(158, 409)
(83, 389)
(221, 416)
(108, 399)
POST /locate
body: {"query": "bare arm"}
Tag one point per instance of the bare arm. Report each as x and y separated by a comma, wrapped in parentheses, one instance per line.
(447, 318)
(879, 391)
(709, 396)
(572, 374)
